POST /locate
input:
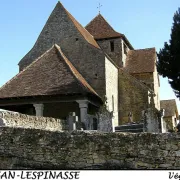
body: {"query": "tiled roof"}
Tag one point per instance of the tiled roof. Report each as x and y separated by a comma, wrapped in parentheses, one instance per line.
(142, 60)
(169, 106)
(100, 28)
(50, 74)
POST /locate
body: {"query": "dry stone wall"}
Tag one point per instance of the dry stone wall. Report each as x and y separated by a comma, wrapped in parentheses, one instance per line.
(38, 149)
(15, 119)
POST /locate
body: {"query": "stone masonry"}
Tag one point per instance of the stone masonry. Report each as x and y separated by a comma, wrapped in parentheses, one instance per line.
(38, 149)
(133, 97)
(61, 30)
(14, 119)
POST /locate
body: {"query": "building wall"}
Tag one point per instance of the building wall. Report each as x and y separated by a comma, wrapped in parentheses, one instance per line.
(156, 90)
(170, 122)
(146, 78)
(112, 89)
(35, 149)
(124, 52)
(88, 60)
(152, 81)
(133, 97)
(116, 56)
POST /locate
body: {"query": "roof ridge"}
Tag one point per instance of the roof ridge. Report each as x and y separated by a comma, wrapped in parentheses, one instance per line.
(136, 80)
(104, 20)
(79, 80)
(142, 49)
(100, 28)
(141, 60)
(168, 100)
(92, 20)
(27, 67)
(76, 74)
(74, 21)
(109, 24)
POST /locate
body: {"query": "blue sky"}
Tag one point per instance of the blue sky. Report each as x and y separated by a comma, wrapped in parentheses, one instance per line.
(145, 23)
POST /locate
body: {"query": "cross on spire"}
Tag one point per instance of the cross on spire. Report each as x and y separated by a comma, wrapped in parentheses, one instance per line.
(99, 7)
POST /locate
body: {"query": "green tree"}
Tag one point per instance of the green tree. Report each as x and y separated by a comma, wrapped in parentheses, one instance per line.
(168, 64)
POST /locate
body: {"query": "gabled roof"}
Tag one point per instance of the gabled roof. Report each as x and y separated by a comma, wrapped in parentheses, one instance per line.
(170, 107)
(141, 61)
(101, 29)
(135, 81)
(89, 38)
(50, 74)
(53, 32)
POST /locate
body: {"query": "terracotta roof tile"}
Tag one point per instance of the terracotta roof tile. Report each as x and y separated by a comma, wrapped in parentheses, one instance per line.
(142, 60)
(100, 28)
(50, 74)
(170, 107)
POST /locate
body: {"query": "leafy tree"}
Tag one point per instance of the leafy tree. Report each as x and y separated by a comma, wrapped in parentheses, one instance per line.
(168, 64)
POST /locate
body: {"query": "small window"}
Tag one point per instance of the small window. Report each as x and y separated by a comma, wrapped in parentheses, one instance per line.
(77, 39)
(112, 46)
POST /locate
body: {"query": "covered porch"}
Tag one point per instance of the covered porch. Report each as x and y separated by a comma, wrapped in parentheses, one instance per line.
(60, 107)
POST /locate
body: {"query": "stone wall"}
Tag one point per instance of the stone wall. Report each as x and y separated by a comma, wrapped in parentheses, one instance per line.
(116, 55)
(112, 89)
(124, 52)
(15, 119)
(152, 81)
(133, 97)
(35, 149)
(87, 59)
(156, 89)
(169, 123)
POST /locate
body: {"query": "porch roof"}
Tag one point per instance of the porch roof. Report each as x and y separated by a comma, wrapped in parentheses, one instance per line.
(52, 74)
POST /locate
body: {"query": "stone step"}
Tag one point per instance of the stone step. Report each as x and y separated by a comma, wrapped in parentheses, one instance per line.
(129, 126)
(130, 130)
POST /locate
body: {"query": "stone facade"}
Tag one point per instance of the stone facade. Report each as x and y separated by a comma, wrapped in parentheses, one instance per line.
(87, 59)
(133, 97)
(112, 89)
(170, 123)
(125, 50)
(35, 149)
(152, 81)
(116, 54)
(156, 89)
(14, 119)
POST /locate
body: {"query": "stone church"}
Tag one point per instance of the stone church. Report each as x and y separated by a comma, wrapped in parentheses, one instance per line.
(79, 69)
